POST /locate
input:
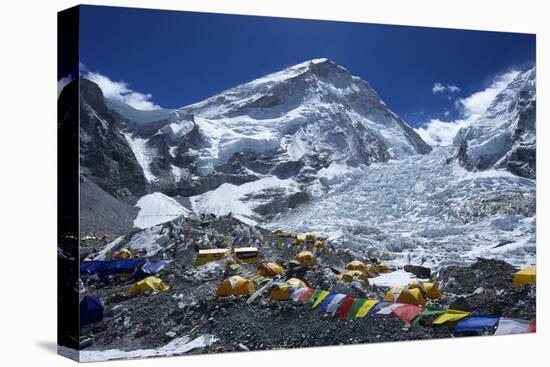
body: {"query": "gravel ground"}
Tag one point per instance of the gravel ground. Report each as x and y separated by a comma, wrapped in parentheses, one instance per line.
(190, 307)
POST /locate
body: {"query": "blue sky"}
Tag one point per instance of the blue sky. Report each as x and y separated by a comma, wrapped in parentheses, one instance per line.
(172, 59)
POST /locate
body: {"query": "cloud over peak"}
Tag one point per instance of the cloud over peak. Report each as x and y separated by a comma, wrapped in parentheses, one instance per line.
(477, 103)
(120, 91)
(439, 132)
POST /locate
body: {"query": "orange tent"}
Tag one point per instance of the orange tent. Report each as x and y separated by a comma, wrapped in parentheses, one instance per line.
(236, 285)
(404, 295)
(280, 293)
(356, 265)
(270, 269)
(306, 258)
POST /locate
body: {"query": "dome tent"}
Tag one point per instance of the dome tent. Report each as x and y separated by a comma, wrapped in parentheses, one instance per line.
(404, 295)
(236, 285)
(428, 289)
(280, 291)
(149, 284)
(526, 275)
(270, 269)
(356, 265)
(306, 258)
(91, 310)
(353, 274)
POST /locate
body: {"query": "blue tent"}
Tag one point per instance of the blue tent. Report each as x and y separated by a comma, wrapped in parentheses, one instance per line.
(91, 310)
(149, 268)
(104, 268)
(476, 324)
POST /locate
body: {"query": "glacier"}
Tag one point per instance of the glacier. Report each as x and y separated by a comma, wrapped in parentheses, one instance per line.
(420, 205)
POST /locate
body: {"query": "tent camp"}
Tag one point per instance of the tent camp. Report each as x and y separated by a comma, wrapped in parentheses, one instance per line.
(208, 255)
(236, 285)
(270, 269)
(111, 267)
(476, 325)
(526, 275)
(280, 291)
(383, 267)
(319, 244)
(404, 295)
(281, 233)
(91, 310)
(428, 289)
(148, 269)
(247, 254)
(310, 237)
(123, 254)
(306, 258)
(350, 275)
(149, 284)
(356, 265)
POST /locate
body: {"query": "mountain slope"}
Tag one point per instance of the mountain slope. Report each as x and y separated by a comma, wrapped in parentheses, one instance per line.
(290, 125)
(105, 156)
(505, 137)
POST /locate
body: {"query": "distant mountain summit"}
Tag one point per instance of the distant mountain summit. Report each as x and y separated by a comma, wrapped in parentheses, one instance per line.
(505, 137)
(289, 125)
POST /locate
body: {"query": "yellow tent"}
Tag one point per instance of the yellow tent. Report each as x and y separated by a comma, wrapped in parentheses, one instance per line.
(373, 268)
(236, 285)
(306, 258)
(450, 316)
(124, 254)
(319, 244)
(428, 289)
(280, 293)
(356, 265)
(279, 233)
(348, 276)
(383, 267)
(404, 295)
(247, 254)
(149, 284)
(270, 269)
(526, 275)
(208, 255)
(310, 237)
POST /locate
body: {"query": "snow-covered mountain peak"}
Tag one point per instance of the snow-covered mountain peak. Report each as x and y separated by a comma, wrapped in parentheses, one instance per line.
(291, 124)
(505, 136)
(522, 86)
(314, 81)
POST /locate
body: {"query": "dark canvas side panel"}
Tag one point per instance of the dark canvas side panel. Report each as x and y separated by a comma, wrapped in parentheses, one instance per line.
(68, 182)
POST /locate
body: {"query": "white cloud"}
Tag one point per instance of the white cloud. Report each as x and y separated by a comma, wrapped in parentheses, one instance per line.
(442, 88)
(61, 83)
(439, 132)
(120, 91)
(477, 103)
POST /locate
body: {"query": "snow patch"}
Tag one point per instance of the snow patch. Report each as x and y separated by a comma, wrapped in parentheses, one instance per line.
(144, 155)
(229, 198)
(392, 279)
(157, 208)
(177, 346)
